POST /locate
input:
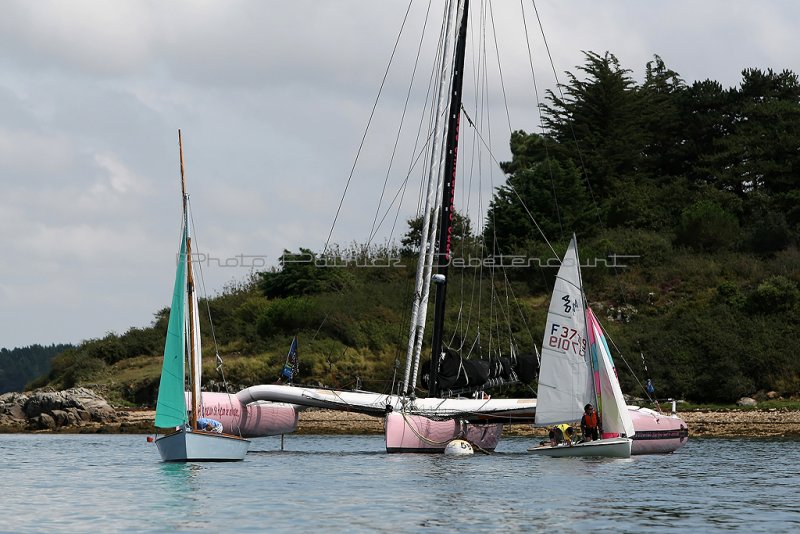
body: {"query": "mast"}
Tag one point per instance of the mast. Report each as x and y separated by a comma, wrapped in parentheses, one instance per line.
(193, 356)
(432, 207)
(448, 195)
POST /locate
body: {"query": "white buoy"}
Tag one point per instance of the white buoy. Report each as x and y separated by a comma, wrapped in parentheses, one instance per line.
(458, 447)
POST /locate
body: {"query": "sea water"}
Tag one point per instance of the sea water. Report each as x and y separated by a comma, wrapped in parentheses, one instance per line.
(117, 483)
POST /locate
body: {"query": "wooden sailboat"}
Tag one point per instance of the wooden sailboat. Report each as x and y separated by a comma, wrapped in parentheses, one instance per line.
(186, 442)
(577, 370)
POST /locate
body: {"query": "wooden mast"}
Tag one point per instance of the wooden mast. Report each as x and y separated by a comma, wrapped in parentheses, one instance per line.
(193, 358)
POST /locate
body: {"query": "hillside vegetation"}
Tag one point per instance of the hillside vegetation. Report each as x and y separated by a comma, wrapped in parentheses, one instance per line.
(693, 191)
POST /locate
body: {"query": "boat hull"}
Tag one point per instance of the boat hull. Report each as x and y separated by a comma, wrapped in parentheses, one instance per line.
(252, 420)
(603, 448)
(198, 446)
(409, 433)
(657, 433)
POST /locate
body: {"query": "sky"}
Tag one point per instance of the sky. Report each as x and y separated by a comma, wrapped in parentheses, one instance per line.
(273, 99)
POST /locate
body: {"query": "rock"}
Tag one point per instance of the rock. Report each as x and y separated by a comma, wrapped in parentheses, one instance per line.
(11, 408)
(79, 402)
(771, 395)
(746, 401)
(42, 422)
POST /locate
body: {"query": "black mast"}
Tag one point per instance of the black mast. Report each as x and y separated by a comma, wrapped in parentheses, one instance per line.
(448, 194)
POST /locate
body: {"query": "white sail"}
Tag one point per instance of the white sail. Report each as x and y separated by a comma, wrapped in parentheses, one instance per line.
(565, 380)
(616, 418)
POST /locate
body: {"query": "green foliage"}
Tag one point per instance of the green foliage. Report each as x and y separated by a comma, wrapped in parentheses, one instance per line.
(22, 365)
(285, 314)
(705, 226)
(776, 294)
(304, 273)
(698, 182)
(72, 367)
(548, 193)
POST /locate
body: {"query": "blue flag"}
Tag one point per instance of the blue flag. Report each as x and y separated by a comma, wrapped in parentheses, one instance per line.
(290, 369)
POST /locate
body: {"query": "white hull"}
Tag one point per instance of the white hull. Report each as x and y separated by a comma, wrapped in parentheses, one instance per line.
(197, 446)
(604, 448)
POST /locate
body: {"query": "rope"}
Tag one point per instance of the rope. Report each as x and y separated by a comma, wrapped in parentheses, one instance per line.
(366, 130)
(219, 362)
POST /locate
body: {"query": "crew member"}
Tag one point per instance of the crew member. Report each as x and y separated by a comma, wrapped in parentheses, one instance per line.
(590, 424)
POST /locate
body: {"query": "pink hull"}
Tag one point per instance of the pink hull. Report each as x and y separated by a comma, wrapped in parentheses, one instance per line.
(254, 420)
(414, 433)
(657, 433)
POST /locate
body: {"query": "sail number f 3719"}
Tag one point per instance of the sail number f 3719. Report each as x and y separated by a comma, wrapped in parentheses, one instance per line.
(566, 339)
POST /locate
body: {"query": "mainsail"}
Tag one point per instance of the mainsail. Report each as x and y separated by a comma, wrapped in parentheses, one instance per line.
(565, 381)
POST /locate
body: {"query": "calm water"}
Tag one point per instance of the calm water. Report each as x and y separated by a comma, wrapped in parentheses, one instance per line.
(102, 483)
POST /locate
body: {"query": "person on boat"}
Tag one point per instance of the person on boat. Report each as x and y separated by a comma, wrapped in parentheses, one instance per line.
(209, 425)
(562, 433)
(590, 424)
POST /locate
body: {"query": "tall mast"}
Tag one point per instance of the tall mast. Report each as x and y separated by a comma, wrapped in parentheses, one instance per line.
(193, 357)
(432, 208)
(448, 195)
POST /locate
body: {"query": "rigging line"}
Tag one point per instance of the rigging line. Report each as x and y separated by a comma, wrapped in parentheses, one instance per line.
(219, 361)
(619, 352)
(374, 230)
(511, 186)
(427, 101)
(572, 130)
(539, 107)
(499, 66)
(366, 130)
(574, 136)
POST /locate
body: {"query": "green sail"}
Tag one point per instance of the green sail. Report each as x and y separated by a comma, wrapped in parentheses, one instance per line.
(171, 404)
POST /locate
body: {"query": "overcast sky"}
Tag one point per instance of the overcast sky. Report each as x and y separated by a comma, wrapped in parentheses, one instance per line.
(272, 98)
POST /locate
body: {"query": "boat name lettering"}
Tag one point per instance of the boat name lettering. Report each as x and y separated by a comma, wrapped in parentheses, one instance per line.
(220, 410)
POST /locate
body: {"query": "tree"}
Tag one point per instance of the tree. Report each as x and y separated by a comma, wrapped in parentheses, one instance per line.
(601, 115)
(464, 242)
(303, 273)
(549, 194)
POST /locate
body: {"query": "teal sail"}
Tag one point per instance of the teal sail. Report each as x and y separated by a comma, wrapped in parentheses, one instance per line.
(171, 404)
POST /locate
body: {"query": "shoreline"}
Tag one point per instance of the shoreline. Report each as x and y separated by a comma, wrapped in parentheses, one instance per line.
(773, 423)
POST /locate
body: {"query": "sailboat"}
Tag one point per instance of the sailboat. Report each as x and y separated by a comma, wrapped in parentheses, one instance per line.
(577, 370)
(185, 441)
(428, 424)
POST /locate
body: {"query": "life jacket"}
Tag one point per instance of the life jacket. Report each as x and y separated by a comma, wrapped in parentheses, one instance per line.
(566, 430)
(590, 421)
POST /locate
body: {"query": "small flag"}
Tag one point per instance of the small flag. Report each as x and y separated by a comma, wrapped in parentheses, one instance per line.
(290, 369)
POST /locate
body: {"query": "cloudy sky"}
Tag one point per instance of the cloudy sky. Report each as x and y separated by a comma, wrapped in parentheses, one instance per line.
(273, 98)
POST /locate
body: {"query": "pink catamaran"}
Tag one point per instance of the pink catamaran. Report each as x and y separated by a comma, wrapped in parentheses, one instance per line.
(427, 424)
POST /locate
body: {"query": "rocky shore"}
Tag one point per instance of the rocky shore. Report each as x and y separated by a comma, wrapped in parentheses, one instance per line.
(83, 411)
(730, 423)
